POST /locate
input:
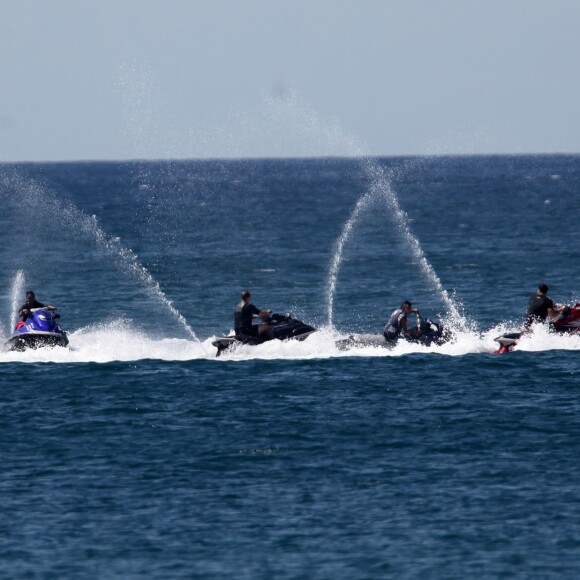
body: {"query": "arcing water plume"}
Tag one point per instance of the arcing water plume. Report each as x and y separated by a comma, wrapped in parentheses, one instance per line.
(359, 208)
(77, 221)
(15, 296)
(126, 261)
(285, 119)
(291, 116)
(381, 189)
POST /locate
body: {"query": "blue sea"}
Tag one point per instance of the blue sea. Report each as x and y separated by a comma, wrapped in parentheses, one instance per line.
(137, 453)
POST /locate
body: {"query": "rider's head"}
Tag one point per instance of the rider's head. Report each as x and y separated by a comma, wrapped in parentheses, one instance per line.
(406, 306)
(246, 296)
(543, 289)
(30, 297)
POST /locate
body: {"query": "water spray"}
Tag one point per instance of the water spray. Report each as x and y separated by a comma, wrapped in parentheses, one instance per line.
(381, 190)
(15, 296)
(124, 258)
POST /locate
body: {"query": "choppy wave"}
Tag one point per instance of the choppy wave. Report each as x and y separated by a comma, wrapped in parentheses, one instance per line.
(124, 342)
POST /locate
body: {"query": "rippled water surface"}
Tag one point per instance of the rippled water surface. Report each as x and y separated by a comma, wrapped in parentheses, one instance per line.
(137, 453)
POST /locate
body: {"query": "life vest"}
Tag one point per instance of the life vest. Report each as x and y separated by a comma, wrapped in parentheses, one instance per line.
(393, 326)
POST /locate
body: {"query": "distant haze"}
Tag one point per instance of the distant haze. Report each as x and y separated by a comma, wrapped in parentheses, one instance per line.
(263, 78)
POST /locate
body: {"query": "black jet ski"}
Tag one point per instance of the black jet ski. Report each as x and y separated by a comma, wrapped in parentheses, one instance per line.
(426, 332)
(568, 321)
(278, 326)
(40, 329)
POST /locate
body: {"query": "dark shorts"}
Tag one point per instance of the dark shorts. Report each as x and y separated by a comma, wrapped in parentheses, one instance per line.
(248, 335)
(391, 337)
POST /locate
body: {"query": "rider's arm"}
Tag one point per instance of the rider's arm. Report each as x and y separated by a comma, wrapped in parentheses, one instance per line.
(557, 313)
(257, 313)
(554, 310)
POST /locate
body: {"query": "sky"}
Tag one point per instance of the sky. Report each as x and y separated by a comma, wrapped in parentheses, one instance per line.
(126, 79)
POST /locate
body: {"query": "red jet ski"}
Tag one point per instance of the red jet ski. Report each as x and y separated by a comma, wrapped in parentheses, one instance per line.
(568, 321)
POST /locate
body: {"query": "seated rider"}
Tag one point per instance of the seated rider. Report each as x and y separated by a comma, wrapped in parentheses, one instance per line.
(397, 323)
(540, 308)
(244, 314)
(31, 302)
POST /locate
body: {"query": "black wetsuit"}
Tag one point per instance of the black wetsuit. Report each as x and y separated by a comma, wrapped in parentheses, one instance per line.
(538, 309)
(243, 316)
(35, 304)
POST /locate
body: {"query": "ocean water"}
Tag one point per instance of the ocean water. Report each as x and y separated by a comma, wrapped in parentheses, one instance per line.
(138, 454)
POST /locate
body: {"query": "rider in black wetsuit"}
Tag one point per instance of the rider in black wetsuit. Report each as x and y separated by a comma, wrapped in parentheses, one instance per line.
(244, 314)
(540, 307)
(397, 323)
(31, 302)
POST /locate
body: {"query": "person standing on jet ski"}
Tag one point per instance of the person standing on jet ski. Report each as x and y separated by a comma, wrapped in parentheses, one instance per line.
(244, 314)
(540, 308)
(31, 302)
(397, 323)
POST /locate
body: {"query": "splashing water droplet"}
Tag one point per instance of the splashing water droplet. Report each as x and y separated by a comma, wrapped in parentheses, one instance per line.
(124, 258)
(381, 189)
(15, 295)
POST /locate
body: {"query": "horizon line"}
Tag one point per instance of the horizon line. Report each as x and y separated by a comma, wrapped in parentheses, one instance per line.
(287, 158)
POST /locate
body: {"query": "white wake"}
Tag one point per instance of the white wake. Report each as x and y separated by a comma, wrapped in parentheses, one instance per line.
(122, 341)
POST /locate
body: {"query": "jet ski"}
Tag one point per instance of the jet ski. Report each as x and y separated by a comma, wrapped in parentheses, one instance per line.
(40, 329)
(277, 327)
(568, 321)
(426, 332)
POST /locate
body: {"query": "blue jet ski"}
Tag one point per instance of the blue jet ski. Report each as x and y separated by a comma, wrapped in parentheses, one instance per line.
(40, 329)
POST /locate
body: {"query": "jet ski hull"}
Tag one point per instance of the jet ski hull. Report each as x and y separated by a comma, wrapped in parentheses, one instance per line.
(427, 333)
(40, 330)
(33, 340)
(568, 322)
(281, 327)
